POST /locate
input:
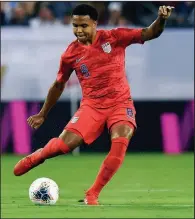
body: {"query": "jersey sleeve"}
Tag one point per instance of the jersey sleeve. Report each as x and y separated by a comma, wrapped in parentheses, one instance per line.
(65, 69)
(128, 36)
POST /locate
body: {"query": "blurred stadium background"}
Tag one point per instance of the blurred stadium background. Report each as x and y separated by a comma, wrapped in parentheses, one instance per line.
(38, 14)
(161, 75)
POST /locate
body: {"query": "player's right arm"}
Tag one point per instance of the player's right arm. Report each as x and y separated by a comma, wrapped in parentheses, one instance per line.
(157, 27)
(128, 36)
(53, 95)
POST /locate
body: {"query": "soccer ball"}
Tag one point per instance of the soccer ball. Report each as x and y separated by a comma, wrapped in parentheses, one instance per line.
(44, 191)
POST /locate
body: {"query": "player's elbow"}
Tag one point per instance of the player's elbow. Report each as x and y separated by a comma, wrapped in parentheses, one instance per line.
(150, 33)
(60, 85)
(157, 34)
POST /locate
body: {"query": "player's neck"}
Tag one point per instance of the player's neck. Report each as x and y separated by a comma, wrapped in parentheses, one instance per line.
(91, 41)
(94, 37)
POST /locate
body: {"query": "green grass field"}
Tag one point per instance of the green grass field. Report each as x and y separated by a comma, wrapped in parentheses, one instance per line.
(147, 186)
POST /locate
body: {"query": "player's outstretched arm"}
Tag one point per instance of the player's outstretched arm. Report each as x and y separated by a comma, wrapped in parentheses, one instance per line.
(53, 95)
(157, 27)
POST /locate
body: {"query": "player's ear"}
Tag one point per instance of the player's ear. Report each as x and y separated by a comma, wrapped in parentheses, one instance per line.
(94, 24)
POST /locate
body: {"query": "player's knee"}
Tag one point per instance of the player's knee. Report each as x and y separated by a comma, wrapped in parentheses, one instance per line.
(71, 139)
(125, 131)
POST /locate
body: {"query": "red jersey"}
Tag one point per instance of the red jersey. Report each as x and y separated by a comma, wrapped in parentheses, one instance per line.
(100, 67)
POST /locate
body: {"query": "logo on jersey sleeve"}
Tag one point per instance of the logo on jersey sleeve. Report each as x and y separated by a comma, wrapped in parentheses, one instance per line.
(107, 47)
(84, 70)
(74, 119)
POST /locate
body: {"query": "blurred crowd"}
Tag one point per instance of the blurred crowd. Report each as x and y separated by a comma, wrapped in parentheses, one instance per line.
(37, 14)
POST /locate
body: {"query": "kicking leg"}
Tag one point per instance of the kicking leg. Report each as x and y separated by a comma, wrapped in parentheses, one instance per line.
(120, 137)
(65, 143)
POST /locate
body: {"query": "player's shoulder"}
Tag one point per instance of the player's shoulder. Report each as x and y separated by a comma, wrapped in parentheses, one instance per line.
(105, 33)
(70, 50)
(118, 32)
(111, 32)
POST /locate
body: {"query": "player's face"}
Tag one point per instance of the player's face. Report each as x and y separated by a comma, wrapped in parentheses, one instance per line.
(84, 28)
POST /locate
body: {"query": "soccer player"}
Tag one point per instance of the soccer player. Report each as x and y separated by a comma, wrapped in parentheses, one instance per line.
(98, 58)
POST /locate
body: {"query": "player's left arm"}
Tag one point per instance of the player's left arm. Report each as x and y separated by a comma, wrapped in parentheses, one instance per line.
(157, 27)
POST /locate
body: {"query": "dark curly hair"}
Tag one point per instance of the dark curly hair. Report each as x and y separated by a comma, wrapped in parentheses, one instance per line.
(85, 9)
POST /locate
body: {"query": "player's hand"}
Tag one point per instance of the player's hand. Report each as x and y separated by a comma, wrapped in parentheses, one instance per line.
(165, 11)
(35, 121)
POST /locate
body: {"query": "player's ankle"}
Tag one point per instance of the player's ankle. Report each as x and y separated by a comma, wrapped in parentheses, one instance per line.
(92, 192)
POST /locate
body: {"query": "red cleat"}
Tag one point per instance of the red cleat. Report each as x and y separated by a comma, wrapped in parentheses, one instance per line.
(28, 163)
(91, 199)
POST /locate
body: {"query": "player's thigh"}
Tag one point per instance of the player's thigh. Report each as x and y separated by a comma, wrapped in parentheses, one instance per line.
(121, 121)
(88, 123)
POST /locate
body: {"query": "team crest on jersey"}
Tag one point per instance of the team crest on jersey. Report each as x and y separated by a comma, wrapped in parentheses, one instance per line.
(84, 70)
(107, 47)
(130, 113)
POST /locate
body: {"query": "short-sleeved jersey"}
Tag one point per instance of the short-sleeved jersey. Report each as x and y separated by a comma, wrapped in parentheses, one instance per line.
(100, 67)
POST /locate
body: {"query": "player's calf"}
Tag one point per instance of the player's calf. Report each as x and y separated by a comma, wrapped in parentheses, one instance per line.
(110, 165)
